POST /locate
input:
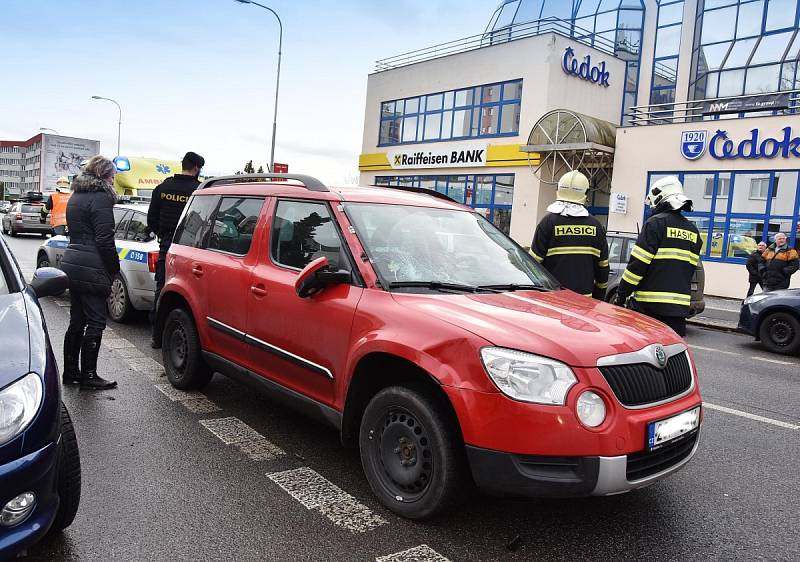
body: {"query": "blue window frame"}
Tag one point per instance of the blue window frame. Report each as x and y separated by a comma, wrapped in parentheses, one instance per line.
(488, 110)
(491, 195)
(744, 47)
(736, 210)
(669, 27)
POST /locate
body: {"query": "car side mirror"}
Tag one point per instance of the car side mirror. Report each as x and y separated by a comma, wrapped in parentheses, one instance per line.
(315, 277)
(49, 282)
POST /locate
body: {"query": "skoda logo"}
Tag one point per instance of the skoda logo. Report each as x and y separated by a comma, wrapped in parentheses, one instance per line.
(661, 356)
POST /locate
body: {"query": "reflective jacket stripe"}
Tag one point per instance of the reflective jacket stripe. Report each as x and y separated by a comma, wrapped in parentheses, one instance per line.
(583, 250)
(602, 263)
(631, 278)
(641, 254)
(677, 254)
(536, 256)
(663, 297)
(601, 285)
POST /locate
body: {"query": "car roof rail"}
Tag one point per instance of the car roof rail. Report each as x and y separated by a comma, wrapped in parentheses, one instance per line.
(420, 190)
(309, 182)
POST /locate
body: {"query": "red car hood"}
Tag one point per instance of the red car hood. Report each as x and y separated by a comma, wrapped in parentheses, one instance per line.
(560, 324)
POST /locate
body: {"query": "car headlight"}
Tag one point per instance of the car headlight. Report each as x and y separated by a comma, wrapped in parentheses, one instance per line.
(19, 403)
(755, 298)
(527, 377)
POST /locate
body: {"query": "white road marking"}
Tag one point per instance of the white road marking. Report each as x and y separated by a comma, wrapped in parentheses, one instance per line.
(313, 491)
(200, 405)
(769, 360)
(129, 353)
(233, 431)
(750, 416)
(176, 394)
(147, 366)
(714, 350)
(63, 304)
(756, 357)
(421, 553)
(117, 343)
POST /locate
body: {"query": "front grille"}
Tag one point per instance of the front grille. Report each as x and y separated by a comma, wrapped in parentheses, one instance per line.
(642, 383)
(646, 463)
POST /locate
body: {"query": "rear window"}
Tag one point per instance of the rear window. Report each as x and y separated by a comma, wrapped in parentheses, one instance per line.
(31, 208)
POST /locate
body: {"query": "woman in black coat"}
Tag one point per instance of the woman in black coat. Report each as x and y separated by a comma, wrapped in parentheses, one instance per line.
(90, 262)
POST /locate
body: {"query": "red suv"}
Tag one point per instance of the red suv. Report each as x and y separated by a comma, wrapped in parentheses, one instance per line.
(425, 335)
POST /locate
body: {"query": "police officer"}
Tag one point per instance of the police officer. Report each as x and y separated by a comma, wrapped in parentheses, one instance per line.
(56, 206)
(167, 203)
(570, 243)
(659, 275)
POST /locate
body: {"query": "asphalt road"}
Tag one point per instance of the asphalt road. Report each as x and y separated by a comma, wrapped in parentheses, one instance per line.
(162, 482)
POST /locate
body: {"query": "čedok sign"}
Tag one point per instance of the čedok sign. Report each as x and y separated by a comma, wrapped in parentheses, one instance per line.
(584, 70)
(721, 147)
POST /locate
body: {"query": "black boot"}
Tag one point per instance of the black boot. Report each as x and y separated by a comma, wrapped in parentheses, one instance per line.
(72, 350)
(90, 348)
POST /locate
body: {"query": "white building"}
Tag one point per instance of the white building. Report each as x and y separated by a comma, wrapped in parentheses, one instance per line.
(705, 89)
(35, 164)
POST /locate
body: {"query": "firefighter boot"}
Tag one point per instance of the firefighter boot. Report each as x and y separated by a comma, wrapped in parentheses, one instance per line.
(72, 350)
(90, 349)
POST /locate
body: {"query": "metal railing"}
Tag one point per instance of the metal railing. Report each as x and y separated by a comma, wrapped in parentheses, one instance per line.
(785, 102)
(504, 35)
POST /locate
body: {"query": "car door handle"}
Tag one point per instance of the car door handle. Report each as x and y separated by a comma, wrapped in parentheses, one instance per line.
(197, 270)
(259, 290)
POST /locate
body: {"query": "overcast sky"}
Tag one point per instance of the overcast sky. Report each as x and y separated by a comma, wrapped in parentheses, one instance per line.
(200, 74)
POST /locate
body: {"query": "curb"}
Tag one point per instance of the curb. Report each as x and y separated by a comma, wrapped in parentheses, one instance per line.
(713, 324)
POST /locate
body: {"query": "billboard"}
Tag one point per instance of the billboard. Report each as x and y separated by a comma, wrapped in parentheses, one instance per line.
(62, 156)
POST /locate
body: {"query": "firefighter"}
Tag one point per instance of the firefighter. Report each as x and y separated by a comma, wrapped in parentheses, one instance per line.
(658, 278)
(56, 206)
(166, 205)
(570, 243)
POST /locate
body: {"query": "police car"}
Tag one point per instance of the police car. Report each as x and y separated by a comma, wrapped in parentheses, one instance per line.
(134, 286)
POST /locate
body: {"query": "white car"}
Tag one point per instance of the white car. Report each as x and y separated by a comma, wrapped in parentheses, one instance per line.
(134, 286)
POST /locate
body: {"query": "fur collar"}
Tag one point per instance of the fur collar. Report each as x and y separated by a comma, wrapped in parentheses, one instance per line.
(88, 183)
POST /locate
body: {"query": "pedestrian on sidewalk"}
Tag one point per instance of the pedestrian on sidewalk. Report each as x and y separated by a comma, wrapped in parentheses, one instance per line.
(91, 262)
(753, 264)
(778, 264)
(166, 206)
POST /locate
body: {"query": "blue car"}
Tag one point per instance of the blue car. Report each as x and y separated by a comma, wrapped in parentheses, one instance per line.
(773, 318)
(40, 468)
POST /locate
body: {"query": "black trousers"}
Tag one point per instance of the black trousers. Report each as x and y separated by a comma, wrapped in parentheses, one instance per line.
(161, 273)
(87, 314)
(677, 323)
(753, 287)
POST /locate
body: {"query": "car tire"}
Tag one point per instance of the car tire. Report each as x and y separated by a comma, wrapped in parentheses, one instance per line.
(69, 475)
(611, 295)
(182, 352)
(412, 453)
(118, 303)
(12, 232)
(779, 332)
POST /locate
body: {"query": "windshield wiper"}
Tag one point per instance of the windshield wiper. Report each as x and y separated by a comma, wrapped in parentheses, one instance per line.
(513, 287)
(436, 285)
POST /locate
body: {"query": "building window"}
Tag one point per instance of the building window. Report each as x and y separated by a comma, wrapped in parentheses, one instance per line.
(489, 110)
(734, 211)
(744, 47)
(490, 195)
(667, 47)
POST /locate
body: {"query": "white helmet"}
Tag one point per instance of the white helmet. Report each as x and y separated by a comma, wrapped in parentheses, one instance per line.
(572, 188)
(63, 181)
(668, 190)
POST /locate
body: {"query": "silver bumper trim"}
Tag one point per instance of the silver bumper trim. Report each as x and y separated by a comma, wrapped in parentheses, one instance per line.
(611, 477)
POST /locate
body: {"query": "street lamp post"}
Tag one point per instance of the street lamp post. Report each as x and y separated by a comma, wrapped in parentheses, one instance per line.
(119, 123)
(49, 129)
(277, 78)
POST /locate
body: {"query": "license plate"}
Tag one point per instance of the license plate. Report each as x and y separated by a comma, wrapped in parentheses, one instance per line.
(662, 432)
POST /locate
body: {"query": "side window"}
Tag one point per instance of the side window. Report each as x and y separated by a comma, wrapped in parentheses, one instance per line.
(234, 223)
(194, 226)
(121, 217)
(303, 231)
(137, 228)
(615, 246)
(627, 248)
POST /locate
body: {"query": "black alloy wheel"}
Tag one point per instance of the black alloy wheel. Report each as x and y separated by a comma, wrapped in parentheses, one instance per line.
(182, 353)
(412, 455)
(780, 333)
(42, 261)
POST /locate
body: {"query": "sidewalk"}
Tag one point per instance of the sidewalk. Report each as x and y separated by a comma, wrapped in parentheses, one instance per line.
(720, 313)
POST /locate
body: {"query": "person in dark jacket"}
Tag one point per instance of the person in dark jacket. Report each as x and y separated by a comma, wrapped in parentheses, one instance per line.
(753, 262)
(658, 277)
(778, 264)
(166, 206)
(570, 243)
(91, 262)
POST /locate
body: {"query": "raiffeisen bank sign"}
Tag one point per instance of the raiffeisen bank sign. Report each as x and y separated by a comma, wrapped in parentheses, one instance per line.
(756, 146)
(584, 69)
(472, 154)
